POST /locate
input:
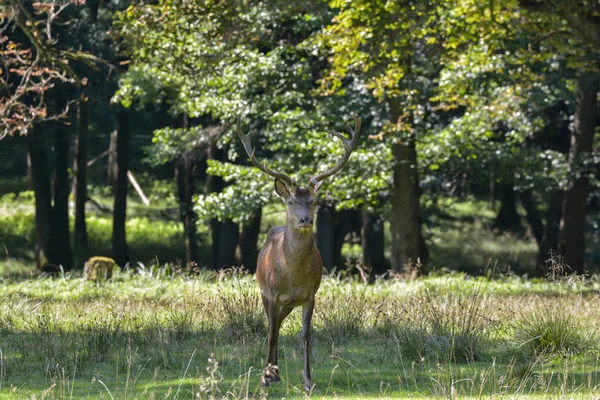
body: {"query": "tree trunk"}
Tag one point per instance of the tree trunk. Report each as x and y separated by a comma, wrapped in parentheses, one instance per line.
(111, 173)
(508, 219)
(408, 246)
(572, 226)
(29, 178)
(185, 191)
(224, 234)
(93, 7)
(40, 181)
(492, 191)
(61, 235)
(373, 245)
(247, 252)
(119, 240)
(407, 241)
(326, 235)
(533, 216)
(80, 242)
(227, 235)
(551, 231)
(346, 221)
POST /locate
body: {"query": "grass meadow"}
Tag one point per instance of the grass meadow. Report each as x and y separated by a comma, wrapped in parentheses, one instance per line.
(153, 333)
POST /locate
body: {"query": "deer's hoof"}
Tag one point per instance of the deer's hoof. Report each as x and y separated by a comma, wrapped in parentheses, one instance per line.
(270, 375)
(308, 385)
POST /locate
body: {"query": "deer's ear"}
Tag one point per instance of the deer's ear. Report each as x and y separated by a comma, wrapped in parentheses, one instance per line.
(282, 190)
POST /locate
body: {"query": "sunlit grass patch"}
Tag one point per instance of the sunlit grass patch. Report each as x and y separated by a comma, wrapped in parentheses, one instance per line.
(555, 327)
(150, 332)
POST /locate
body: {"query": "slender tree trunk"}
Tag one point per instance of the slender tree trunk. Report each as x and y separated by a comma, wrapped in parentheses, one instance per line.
(225, 234)
(93, 7)
(373, 245)
(215, 234)
(508, 219)
(408, 246)
(111, 172)
(347, 221)
(119, 240)
(492, 191)
(80, 242)
(572, 226)
(185, 190)
(247, 252)
(533, 216)
(326, 235)
(62, 188)
(551, 230)
(228, 236)
(40, 181)
(29, 178)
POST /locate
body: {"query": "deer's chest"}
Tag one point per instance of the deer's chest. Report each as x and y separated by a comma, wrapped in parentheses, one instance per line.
(294, 288)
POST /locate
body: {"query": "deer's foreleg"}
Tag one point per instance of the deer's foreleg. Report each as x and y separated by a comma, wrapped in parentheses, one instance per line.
(307, 312)
(273, 316)
(272, 373)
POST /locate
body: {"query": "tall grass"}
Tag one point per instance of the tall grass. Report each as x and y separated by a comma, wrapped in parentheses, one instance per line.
(152, 332)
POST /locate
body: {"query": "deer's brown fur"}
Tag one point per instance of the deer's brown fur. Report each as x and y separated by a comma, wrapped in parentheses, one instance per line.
(290, 268)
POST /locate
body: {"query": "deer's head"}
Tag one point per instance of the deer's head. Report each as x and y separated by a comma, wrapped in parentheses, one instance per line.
(301, 200)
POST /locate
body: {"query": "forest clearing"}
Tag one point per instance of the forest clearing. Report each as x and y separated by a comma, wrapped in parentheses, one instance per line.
(153, 331)
(152, 334)
(305, 198)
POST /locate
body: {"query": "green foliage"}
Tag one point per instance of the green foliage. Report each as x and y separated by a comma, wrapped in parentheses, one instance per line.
(262, 72)
(169, 144)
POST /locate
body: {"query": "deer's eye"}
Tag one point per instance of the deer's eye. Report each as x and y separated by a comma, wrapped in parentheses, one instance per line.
(310, 202)
(291, 202)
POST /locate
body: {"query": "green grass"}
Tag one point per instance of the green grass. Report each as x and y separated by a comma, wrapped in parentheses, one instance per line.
(462, 238)
(150, 333)
(160, 335)
(154, 233)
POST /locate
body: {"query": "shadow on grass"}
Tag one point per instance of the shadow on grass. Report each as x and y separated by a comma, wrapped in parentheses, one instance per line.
(158, 361)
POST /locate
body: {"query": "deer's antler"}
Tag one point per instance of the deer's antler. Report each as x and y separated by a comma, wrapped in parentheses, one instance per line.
(349, 146)
(246, 141)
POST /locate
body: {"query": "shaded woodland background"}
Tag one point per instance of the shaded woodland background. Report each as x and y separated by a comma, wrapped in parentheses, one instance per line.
(478, 120)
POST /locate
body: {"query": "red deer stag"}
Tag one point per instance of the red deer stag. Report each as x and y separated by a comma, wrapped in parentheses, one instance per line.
(289, 265)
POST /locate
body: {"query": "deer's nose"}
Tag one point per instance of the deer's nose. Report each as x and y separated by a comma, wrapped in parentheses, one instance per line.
(306, 220)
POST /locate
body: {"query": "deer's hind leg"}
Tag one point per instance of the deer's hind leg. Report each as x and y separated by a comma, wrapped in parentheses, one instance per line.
(307, 313)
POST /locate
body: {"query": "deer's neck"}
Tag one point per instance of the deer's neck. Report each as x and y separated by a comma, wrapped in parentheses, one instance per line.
(297, 244)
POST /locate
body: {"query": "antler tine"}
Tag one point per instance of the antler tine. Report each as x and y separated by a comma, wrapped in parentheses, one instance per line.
(349, 146)
(247, 142)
